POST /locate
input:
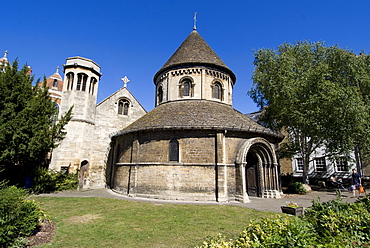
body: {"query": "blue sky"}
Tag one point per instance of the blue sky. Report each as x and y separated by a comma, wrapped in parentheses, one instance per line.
(135, 38)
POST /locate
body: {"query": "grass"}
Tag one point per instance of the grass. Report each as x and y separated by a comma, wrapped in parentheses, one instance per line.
(103, 222)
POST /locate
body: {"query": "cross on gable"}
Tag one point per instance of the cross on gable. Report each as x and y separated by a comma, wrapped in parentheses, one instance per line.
(125, 80)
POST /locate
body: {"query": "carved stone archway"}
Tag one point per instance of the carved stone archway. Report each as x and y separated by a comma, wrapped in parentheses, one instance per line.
(257, 172)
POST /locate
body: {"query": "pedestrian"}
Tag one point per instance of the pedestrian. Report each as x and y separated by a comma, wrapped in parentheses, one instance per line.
(356, 182)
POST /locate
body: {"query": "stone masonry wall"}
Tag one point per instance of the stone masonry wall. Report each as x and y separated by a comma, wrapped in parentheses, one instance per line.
(143, 168)
(108, 121)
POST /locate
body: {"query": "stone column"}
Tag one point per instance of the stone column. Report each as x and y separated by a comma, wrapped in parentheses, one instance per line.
(221, 167)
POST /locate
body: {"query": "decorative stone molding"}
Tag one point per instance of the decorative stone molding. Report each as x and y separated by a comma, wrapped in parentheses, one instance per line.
(186, 71)
(217, 74)
(163, 77)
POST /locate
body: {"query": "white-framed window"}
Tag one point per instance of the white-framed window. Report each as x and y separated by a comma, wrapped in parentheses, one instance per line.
(320, 164)
(299, 164)
(342, 164)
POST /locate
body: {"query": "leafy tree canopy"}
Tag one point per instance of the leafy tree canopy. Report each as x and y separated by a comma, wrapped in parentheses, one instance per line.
(29, 128)
(319, 93)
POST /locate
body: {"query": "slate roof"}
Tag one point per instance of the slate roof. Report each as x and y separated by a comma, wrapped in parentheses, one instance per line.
(195, 51)
(196, 114)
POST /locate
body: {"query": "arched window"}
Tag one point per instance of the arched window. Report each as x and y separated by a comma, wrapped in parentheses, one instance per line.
(55, 83)
(160, 94)
(186, 88)
(123, 107)
(70, 77)
(84, 84)
(173, 152)
(217, 91)
(92, 85)
(81, 80)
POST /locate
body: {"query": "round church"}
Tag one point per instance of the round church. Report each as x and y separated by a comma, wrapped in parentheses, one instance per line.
(194, 146)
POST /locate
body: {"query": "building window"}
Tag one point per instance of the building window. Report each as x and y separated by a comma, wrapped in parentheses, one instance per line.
(81, 80)
(299, 164)
(55, 83)
(70, 77)
(174, 150)
(186, 88)
(123, 106)
(342, 164)
(160, 94)
(84, 84)
(217, 91)
(92, 85)
(320, 164)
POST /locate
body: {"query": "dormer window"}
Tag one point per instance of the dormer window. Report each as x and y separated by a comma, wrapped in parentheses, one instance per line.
(217, 91)
(123, 107)
(186, 88)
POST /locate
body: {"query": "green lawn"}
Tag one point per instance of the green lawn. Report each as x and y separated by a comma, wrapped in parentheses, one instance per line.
(103, 222)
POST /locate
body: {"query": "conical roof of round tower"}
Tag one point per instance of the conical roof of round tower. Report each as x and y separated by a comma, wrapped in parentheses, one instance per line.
(194, 50)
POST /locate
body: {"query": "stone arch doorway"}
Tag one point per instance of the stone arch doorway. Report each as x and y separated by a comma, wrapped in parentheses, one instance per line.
(82, 174)
(251, 175)
(257, 170)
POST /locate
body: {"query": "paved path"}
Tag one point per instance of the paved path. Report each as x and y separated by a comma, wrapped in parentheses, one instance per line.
(261, 204)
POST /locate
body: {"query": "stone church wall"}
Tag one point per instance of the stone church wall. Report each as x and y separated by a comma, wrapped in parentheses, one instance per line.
(143, 169)
(108, 121)
(75, 147)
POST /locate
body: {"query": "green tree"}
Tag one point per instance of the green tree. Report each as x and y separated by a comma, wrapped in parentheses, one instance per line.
(312, 91)
(29, 128)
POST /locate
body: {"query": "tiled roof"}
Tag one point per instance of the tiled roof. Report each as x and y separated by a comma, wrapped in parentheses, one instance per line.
(195, 51)
(196, 114)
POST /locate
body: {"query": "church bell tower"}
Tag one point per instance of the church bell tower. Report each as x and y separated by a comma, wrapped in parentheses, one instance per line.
(80, 90)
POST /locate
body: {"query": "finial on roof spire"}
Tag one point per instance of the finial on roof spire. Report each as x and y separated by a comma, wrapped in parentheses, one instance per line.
(195, 21)
(57, 71)
(125, 81)
(5, 54)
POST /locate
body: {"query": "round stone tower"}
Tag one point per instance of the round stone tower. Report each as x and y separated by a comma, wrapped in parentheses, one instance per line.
(80, 90)
(194, 72)
(194, 146)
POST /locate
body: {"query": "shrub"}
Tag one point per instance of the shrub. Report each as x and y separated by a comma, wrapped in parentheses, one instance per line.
(277, 231)
(296, 188)
(323, 225)
(341, 221)
(219, 241)
(18, 216)
(50, 180)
